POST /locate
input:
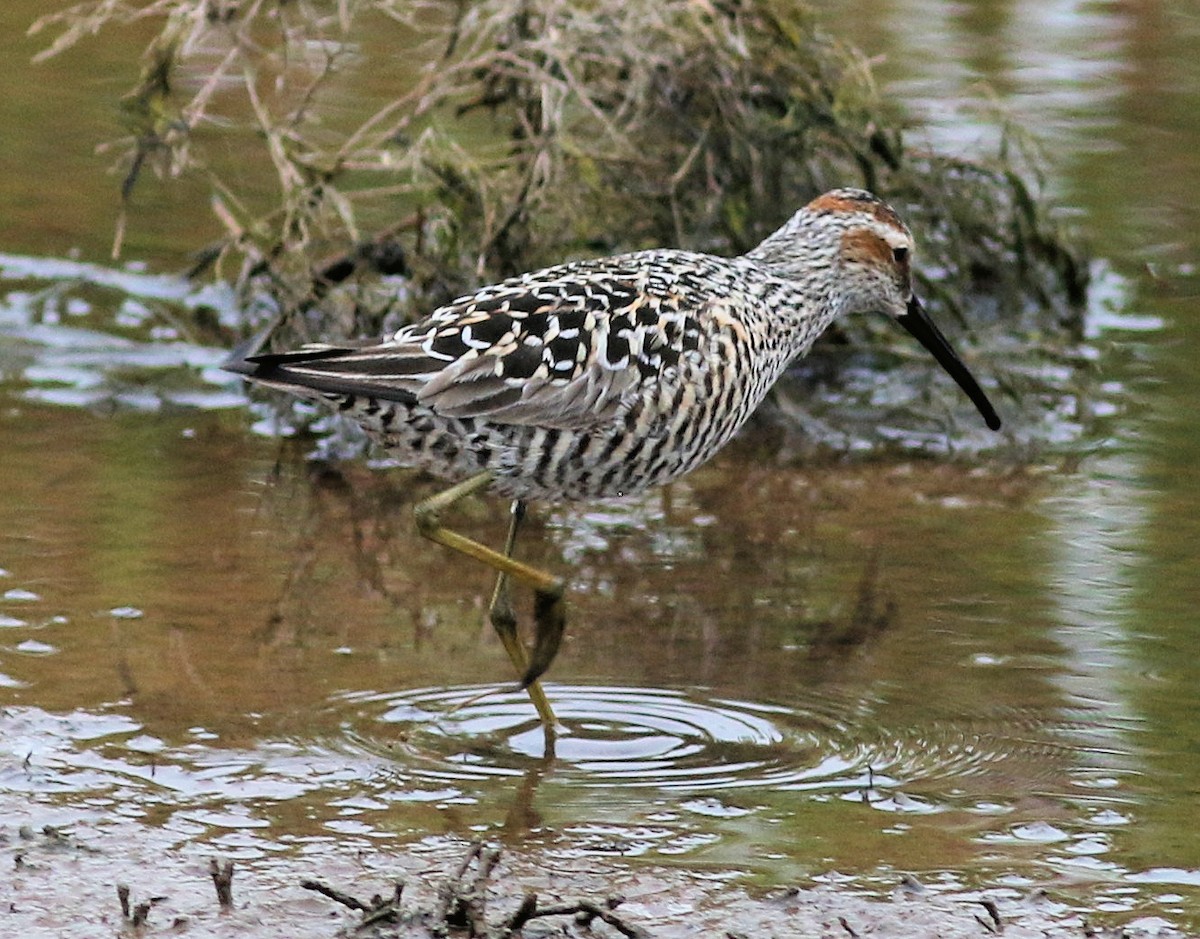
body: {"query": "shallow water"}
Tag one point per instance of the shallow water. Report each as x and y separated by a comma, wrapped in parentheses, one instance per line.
(978, 670)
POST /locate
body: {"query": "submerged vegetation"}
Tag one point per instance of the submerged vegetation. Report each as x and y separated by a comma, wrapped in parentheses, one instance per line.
(532, 131)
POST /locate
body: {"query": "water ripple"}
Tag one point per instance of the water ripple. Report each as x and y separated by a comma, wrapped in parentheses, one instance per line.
(669, 740)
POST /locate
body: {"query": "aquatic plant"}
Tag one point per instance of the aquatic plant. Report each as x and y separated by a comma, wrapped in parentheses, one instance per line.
(531, 131)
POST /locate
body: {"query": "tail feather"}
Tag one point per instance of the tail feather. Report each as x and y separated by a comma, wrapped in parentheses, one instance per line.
(293, 371)
(243, 359)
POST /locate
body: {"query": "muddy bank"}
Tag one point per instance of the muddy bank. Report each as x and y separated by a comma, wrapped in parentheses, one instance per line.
(67, 885)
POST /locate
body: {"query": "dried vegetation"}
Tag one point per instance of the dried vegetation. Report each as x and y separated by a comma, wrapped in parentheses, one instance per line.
(531, 131)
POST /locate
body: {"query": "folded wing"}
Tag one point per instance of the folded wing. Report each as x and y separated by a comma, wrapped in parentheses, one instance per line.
(565, 348)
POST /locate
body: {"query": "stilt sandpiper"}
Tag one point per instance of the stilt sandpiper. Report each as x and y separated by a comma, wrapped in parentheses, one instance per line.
(601, 378)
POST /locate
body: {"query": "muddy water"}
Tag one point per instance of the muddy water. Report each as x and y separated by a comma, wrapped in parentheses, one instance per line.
(980, 672)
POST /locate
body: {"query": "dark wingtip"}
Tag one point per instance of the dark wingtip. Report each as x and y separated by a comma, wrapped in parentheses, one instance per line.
(243, 359)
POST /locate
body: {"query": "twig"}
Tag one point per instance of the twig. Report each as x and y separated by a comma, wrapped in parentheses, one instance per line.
(336, 895)
(455, 907)
(993, 912)
(222, 875)
(529, 910)
(523, 914)
(463, 908)
(385, 911)
(475, 899)
(378, 910)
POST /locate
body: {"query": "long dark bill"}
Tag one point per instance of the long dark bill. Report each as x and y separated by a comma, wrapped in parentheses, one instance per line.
(917, 322)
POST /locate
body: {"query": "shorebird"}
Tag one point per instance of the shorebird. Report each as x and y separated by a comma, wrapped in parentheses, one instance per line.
(601, 378)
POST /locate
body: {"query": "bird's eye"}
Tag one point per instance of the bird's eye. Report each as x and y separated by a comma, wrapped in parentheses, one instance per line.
(901, 255)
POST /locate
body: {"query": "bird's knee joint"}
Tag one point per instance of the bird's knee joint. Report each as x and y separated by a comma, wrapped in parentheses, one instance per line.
(427, 517)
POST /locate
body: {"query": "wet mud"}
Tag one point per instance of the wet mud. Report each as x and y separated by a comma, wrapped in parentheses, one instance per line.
(67, 885)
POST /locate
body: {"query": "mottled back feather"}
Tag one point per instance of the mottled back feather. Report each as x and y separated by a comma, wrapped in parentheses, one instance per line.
(555, 351)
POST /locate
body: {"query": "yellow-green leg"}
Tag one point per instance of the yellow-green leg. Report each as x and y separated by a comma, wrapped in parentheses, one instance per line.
(549, 607)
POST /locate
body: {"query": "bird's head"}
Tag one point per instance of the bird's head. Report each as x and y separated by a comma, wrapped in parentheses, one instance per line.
(871, 251)
(851, 248)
